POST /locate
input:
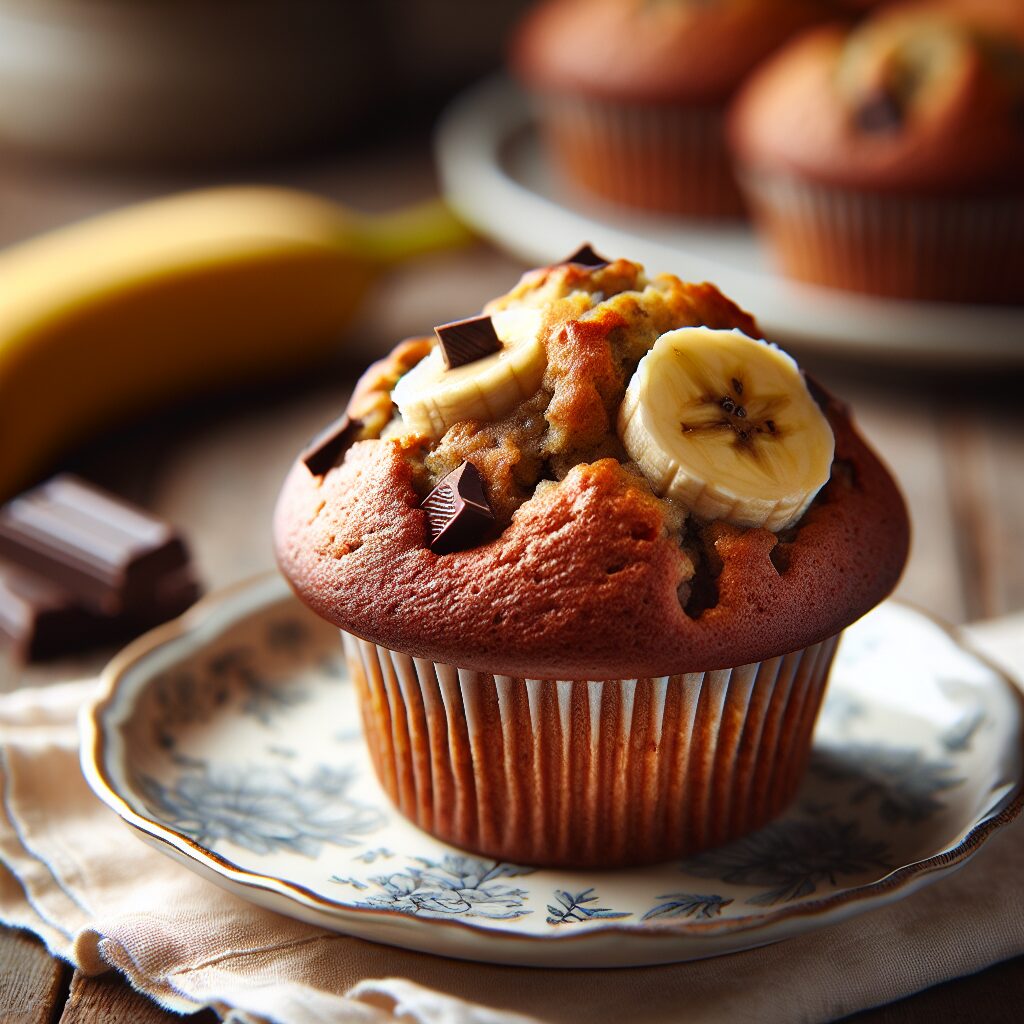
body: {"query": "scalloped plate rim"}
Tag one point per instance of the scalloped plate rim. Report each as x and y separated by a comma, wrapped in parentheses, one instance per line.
(223, 608)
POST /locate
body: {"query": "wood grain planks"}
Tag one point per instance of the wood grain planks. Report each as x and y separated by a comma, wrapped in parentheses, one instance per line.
(108, 999)
(32, 983)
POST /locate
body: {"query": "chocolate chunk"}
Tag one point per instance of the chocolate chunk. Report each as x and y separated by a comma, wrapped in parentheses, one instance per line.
(328, 448)
(82, 568)
(458, 513)
(40, 620)
(584, 256)
(464, 341)
(880, 111)
(104, 552)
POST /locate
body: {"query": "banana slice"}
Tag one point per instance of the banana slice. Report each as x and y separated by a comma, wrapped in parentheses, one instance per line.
(432, 398)
(725, 425)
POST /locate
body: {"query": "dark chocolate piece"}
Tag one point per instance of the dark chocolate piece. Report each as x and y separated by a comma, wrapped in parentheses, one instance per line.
(458, 513)
(172, 594)
(40, 620)
(104, 552)
(584, 256)
(880, 111)
(464, 341)
(328, 448)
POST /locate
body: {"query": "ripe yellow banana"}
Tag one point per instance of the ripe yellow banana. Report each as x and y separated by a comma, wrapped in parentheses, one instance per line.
(725, 425)
(128, 310)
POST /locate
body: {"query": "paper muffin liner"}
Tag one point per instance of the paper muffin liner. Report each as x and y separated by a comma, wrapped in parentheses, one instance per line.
(968, 249)
(666, 158)
(597, 773)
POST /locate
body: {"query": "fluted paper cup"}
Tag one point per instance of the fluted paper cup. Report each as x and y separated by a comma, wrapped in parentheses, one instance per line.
(968, 249)
(666, 158)
(599, 773)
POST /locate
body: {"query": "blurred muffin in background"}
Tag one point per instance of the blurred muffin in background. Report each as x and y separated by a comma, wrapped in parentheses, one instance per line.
(631, 94)
(864, 6)
(889, 159)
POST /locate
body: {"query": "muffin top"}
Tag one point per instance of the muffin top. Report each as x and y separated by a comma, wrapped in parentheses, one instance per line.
(576, 502)
(925, 98)
(653, 51)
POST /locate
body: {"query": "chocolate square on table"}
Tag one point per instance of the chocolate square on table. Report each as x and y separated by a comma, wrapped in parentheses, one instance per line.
(40, 620)
(106, 553)
(81, 568)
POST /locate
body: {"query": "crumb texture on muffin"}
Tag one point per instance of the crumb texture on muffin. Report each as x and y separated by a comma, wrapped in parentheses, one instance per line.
(586, 573)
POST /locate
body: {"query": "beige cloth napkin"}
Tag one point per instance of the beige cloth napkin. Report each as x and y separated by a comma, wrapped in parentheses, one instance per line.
(74, 874)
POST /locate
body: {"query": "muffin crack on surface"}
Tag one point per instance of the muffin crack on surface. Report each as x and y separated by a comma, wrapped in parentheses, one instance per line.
(590, 565)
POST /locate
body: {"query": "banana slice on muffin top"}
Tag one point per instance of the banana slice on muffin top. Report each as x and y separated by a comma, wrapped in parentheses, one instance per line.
(598, 460)
(725, 426)
(719, 424)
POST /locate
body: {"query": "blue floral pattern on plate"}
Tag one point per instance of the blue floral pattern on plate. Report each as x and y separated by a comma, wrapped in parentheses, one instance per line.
(247, 745)
(791, 858)
(579, 907)
(455, 886)
(688, 904)
(262, 808)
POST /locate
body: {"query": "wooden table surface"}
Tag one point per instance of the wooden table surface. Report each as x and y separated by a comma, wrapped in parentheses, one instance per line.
(956, 443)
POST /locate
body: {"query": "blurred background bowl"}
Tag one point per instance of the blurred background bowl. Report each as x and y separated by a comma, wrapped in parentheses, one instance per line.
(194, 81)
(170, 83)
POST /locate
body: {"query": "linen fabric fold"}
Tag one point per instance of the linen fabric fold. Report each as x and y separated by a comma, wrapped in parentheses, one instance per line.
(74, 874)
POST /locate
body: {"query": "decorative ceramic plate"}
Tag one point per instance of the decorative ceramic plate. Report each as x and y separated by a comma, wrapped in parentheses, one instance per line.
(231, 741)
(495, 174)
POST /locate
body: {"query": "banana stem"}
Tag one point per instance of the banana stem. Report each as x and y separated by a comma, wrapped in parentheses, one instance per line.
(412, 231)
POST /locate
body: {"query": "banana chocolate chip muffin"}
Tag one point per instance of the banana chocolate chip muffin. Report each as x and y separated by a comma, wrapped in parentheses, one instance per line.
(591, 552)
(890, 159)
(631, 94)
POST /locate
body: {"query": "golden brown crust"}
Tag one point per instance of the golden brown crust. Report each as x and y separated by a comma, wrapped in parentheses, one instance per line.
(371, 399)
(635, 50)
(585, 574)
(960, 78)
(585, 582)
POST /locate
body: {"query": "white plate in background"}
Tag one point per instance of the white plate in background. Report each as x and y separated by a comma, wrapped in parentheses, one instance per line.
(495, 175)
